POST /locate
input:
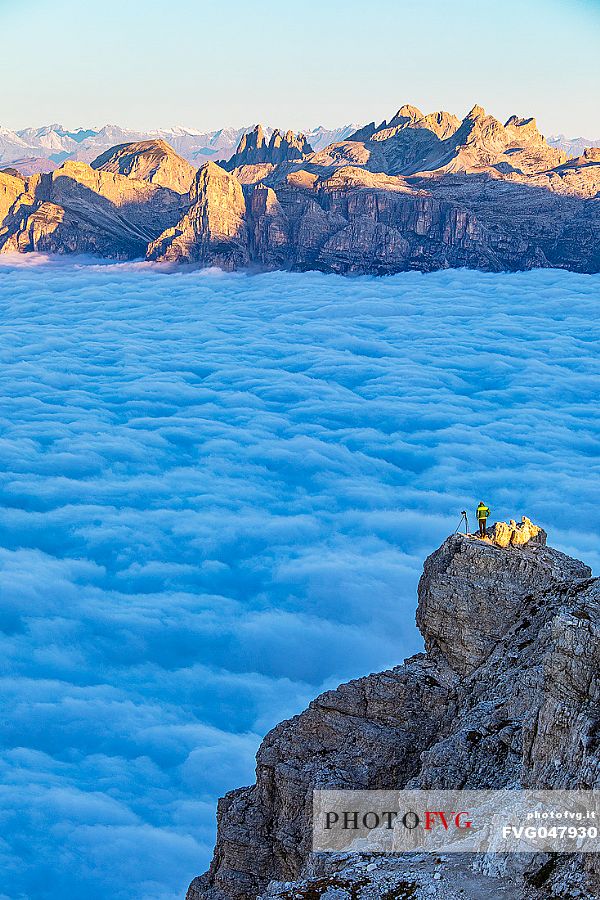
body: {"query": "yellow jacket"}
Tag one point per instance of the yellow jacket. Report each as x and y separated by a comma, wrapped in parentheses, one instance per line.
(482, 511)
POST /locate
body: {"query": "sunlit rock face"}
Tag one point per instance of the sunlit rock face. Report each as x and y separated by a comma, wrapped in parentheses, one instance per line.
(513, 533)
(213, 231)
(506, 695)
(152, 161)
(423, 191)
(78, 209)
(12, 185)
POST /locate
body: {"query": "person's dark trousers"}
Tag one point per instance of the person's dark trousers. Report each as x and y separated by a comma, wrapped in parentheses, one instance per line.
(482, 523)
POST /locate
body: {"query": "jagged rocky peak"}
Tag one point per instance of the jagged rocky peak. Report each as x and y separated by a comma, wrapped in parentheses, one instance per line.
(483, 142)
(405, 117)
(442, 123)
(289, 145)
(406, 113)
(213, 230)
(252, 140)
(253, 148)
(524, 208)
(214, 183)
(529, 124)
(477, 112)
(412, 143)
(154, 161)
(506, 695)
(479, 128)
(525, 131)
(515, 127)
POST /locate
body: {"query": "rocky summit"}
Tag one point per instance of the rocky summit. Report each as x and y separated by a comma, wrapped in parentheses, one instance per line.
(421, 191)
(506, 695)
(153, 161)
(254, 148)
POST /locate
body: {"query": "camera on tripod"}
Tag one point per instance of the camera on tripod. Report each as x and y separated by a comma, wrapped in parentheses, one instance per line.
(463, 521)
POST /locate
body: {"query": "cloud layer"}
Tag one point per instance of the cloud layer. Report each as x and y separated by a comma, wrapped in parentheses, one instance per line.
(216, 494)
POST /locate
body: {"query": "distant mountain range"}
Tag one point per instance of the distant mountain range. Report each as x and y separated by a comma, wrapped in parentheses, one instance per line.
(572, 146)
(44, 149)
(420, 191)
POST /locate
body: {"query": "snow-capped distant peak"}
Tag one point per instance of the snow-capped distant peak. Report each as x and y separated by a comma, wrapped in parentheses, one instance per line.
(56, 142)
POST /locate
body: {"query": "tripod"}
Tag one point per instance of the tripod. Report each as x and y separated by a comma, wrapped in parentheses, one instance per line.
(463, 520)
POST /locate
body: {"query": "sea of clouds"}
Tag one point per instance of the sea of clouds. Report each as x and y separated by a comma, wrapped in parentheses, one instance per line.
(216, 495)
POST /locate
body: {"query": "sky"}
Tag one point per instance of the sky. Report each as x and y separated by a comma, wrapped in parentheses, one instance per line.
(217, 492)
(148, 64)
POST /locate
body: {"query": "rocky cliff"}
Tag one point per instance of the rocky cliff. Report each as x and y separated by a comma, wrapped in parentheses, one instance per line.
(12, 185)
(506, 694)
(78, 209)
(213, 231)
(422, 191)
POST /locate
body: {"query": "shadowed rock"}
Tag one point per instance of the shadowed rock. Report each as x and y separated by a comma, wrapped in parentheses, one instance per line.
(31, 165)
(506, 695)
(471, 590)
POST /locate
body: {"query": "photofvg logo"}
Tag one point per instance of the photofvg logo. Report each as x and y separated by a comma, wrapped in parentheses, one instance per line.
(456, 821)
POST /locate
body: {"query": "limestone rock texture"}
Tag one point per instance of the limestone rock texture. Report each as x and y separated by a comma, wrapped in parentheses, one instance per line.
(503, 534)
(77, 209)
(253, 148)
(506, 695)
(460, 622)
(213, 231)
(12, 185)
(423, 191)
(153, 161)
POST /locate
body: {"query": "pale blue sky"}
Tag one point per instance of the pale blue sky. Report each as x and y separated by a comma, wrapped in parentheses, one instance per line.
(148, 63)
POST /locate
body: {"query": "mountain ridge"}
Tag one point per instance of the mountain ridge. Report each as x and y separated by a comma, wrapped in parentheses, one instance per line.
(422, 191)
(54, 143)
